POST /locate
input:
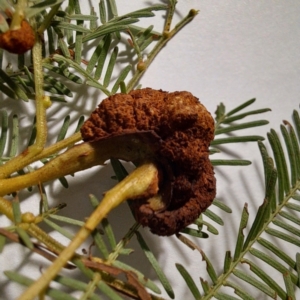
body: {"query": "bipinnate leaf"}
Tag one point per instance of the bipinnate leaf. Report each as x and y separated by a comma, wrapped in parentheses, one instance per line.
(277, 218)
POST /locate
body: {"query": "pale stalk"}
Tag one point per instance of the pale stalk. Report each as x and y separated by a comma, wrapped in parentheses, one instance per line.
(77, 158)
(46, 152)
(18, 15)
(51, 244)
(41, 102)
(55, 148)
(134, 185)
(6, 208)
(130, 147)
(170, 15)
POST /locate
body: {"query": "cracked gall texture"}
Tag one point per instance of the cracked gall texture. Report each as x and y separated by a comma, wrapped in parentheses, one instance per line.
(18, 41)
(185, 129)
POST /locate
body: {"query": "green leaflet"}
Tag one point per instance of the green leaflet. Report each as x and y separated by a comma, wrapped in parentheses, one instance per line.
(39, 7)
(59, 229)
(24, 280)
(287, 227)
(227, 261)
(222, 206)
(298, 267)
(189, 281)
(283, 182)
(210, 228)
(2, 242)
(223, 296)
(79, 17)
(99, 242)
(254, 282)
(291, 154)
(286, 237)
(66, 220)
(289, 286)
(240, 239)
(290, 217)
(109, 233)
(204, 285)
(15, 88)
(237, 139)
(230, 162)
(277, 251)
(240, 107)
(162, 277)
(241, 116)
(241, 126)
(210, 214)
(111, 65)
(237, 290)
(194, 232)
(76, 285)
(4, 129)
(24, 237)
(64, 129)
(272, 262)
(69, 26)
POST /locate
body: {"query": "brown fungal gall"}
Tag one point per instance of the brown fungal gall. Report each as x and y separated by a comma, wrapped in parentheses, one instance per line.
(18, 41)
(184, 129)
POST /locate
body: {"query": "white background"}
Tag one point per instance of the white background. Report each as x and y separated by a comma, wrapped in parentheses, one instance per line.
(231, 52)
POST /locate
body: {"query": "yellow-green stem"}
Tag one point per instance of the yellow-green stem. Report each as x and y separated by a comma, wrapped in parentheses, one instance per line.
(91, 286)
(160, 44)
(41, 124)
(18, 15)
(135, 184)
(55, 148)
(41, 103)
(80, 157)
(6, 208)
(53, 245)
(169, 17)
(75, 159)
(46, 152)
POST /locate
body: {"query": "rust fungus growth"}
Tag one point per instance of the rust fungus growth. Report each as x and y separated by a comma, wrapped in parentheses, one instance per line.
(183, 130)
(19, 40)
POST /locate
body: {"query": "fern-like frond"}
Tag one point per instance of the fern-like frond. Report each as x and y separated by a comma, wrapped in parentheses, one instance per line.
(277, 218)
(67, 33)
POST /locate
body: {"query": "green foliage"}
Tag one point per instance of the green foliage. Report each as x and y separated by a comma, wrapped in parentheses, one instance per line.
(69, 35)
(281, 189)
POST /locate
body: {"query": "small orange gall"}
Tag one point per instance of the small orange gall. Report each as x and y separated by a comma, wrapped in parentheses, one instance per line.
(141, 66)
(28, 217)
(18, 41)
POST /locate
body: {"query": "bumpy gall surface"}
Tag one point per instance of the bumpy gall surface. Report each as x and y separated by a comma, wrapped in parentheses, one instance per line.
(18, 41)
(185, 129)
